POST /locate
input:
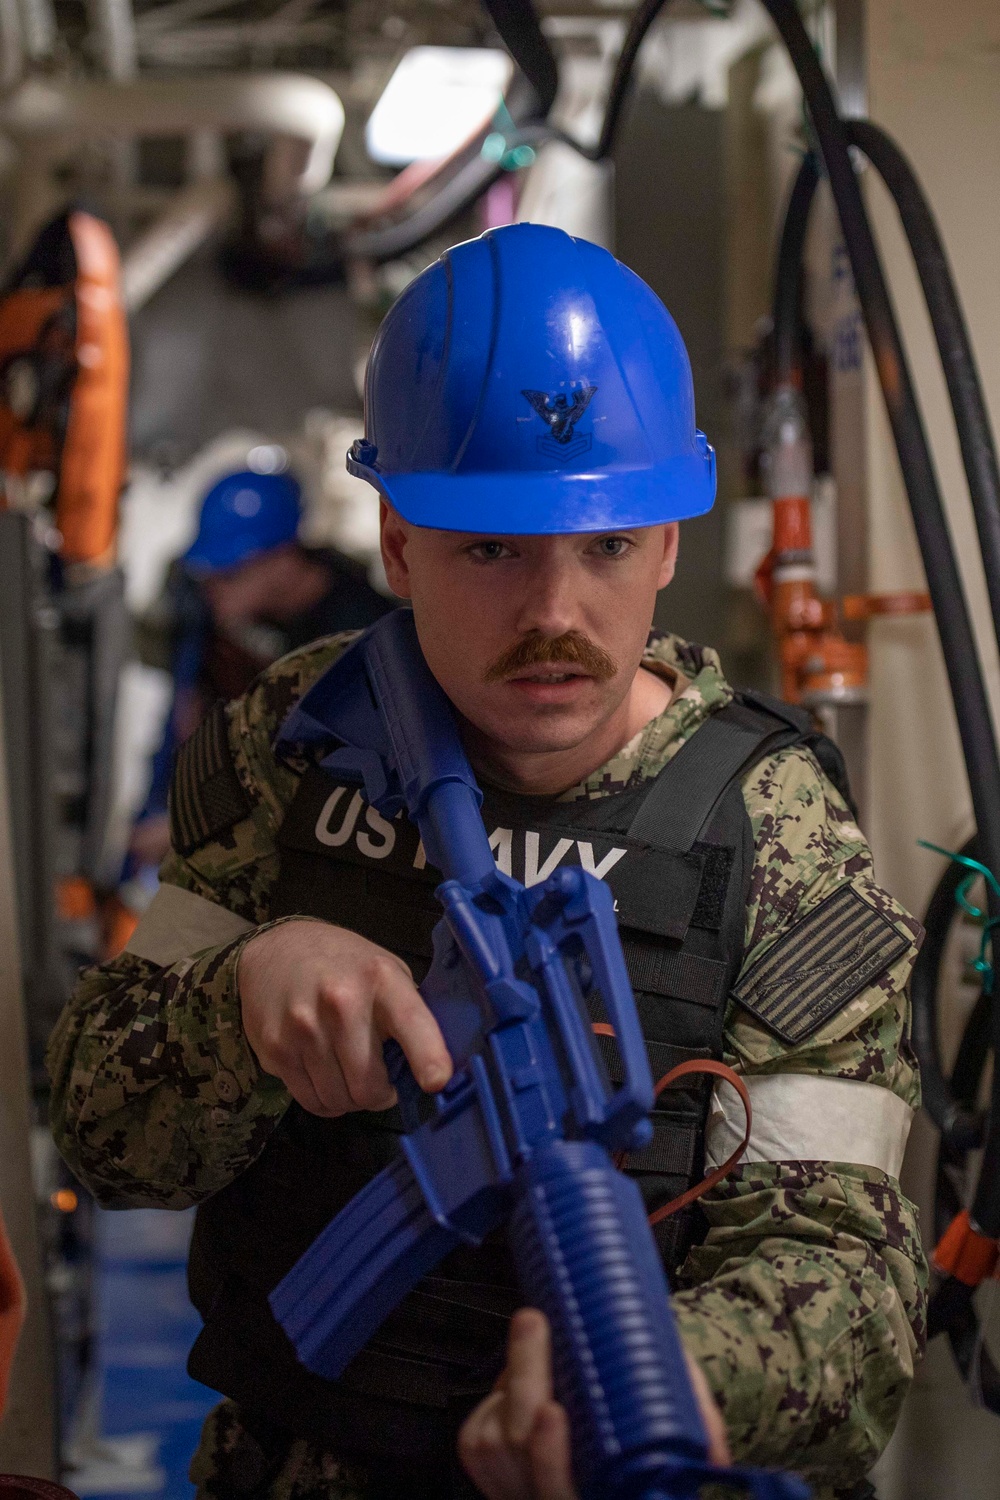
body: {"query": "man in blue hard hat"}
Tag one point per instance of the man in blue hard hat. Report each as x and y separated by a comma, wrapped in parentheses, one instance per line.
(244, 593)
(254, 591)
(530, 429)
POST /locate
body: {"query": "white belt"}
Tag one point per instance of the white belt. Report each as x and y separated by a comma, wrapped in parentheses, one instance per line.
(177, 923)
(802, 1117)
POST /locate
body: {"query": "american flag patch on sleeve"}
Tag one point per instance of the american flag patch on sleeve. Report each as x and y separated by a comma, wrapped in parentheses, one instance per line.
(206, 795)
(820, 965)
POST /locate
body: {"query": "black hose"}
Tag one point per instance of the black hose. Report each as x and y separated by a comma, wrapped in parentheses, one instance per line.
(953, 1115)
(788, 273)
(952, 1112)
(621, 80)
(518, 25)
(974, 1053)
(943, 578)
(953, 1312)
(975, 435)
(951, 1103)
(521, 34)
(979, 458)
(952, 1308)
(967, 402)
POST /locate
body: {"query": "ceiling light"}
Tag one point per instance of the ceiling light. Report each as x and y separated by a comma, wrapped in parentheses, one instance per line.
(435, 100)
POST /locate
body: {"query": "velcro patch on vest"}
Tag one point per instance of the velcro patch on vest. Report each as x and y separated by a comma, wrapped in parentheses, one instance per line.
(711, 904)
(206, 795)
(820, 965)
(671, 1151)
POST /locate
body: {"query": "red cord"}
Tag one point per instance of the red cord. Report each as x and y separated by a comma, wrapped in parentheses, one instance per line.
(684, 1070)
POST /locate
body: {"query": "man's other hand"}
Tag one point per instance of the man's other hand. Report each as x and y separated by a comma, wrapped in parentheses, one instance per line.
(516, 1445)
(318, 1002)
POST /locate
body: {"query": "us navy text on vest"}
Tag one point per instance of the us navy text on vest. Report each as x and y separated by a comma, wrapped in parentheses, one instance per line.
(518, 853)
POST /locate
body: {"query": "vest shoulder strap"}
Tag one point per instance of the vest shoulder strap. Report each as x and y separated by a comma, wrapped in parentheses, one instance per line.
(826, 751)
(731, 741)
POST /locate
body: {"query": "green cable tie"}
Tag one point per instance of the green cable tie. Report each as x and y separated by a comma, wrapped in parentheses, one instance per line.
(981, 965)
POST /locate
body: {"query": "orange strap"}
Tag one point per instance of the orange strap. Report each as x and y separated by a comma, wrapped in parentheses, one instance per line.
(685, 1070)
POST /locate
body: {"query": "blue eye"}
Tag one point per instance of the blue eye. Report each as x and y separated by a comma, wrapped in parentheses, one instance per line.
(613, 546)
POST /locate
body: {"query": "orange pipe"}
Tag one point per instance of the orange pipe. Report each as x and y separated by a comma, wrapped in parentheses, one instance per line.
(92, 470)
(79, 336)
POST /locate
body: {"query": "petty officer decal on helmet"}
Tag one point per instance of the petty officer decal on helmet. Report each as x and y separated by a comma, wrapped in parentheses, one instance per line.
(530, 429)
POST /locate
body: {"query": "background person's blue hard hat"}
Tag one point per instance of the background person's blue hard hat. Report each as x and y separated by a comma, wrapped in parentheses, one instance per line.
(242, 515)
(528, 382)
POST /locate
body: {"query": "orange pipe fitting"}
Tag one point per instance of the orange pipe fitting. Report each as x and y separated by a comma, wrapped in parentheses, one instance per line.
(813, 654)
(966, 1254)
(864, 606)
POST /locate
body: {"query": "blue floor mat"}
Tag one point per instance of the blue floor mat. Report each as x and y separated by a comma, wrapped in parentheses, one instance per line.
(146, 1328)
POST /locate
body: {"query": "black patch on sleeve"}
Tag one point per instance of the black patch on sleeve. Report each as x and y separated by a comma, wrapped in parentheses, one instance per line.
(820, 965)
(206, 795)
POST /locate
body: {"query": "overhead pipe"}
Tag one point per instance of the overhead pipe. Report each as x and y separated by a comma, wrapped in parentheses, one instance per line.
(113, 25)
(38, 26)
(165, 17)
(43, 111)
(188, 221)
(11, 44)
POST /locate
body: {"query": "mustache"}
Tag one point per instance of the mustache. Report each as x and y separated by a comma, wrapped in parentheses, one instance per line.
(535, 650)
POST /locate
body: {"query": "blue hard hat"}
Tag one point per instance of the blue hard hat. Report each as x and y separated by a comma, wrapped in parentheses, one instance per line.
(243, 514)
(528, 382)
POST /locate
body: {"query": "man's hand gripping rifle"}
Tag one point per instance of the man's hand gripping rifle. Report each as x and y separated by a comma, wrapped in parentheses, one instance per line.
(523, 1131)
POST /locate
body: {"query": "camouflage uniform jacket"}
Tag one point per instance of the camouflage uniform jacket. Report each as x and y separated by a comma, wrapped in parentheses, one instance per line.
(805, 1302)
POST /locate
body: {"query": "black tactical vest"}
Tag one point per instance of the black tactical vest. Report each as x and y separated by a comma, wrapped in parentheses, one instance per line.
(677, 853)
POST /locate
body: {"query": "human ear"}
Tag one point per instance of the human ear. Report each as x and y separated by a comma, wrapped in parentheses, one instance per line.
(393, 534)
(671, 540)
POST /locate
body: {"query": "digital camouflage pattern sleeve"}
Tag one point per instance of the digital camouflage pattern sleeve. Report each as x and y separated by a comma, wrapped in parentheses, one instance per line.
(157, 1098)
(804, 1304)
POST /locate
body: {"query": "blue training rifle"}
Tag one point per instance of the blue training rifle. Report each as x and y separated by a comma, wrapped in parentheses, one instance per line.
(523, 1131)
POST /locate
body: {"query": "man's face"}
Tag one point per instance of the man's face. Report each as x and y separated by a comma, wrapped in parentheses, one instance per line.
(535, 639)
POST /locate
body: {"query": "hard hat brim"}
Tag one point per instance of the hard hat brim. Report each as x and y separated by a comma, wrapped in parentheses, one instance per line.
(535, 503)
(205, 560)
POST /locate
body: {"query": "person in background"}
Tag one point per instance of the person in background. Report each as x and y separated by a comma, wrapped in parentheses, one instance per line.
(245, 593)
